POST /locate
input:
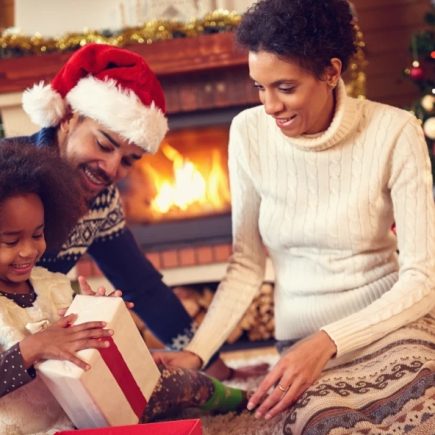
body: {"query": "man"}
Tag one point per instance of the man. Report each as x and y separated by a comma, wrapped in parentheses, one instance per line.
(103, 111)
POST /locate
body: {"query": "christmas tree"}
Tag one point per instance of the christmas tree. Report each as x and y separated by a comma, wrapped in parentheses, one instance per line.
(422, 73)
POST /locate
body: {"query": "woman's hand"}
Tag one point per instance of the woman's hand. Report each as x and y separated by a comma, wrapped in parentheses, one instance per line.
(183, 359)
(292, 375)
(62, 340)
(86, 289)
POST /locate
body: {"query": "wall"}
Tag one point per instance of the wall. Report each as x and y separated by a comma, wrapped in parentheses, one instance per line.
(54, 17)
(388, 26)
(6, 13)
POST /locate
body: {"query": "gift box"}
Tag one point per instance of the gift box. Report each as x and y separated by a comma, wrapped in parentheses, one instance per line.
(178, 427)
(116, 389)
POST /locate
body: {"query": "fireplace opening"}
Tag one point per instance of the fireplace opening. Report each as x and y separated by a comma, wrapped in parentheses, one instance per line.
(186, 178)
(180, 196)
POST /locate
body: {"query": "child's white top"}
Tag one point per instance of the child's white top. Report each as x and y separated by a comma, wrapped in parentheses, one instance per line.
(32, 409)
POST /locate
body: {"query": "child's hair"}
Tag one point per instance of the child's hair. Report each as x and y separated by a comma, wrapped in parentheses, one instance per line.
(27, 169)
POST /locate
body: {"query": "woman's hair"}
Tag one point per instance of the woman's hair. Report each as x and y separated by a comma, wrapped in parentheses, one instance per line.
(310, 32)
(26, 169)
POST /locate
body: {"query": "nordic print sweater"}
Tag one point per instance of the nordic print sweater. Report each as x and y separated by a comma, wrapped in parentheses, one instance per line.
(324, 206)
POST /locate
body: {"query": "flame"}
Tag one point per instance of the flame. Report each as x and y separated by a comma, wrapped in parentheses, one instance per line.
(186, 178)
(189, 188)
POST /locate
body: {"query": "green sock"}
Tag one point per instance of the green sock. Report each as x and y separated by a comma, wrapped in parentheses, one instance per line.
(224, 398)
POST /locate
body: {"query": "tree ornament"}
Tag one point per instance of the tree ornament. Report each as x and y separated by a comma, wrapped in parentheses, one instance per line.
(416, 73)
(429, 128)
(428, 103)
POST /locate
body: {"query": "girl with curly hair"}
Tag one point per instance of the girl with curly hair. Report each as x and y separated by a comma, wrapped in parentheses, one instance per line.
(319, 179)
(40, 201)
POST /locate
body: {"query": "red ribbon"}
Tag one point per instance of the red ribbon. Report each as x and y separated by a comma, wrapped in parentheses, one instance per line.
(120, 371)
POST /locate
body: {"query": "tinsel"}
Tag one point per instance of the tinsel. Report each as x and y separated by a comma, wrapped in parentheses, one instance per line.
(14, 44)
(356, 83)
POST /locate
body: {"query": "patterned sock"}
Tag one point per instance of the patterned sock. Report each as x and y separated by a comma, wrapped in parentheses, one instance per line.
(179, 389)
(224, 398)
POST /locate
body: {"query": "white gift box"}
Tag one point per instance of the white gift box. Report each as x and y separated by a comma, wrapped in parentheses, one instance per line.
(121, 379)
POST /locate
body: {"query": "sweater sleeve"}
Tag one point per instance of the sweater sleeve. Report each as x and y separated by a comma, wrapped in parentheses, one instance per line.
(13, 373)
(125, 265)
(246, 267)
(413, 295)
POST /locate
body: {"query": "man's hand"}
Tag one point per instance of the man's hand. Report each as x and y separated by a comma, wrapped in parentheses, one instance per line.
(292, 375)
(86, 289)
(62, 340)
(183, 359)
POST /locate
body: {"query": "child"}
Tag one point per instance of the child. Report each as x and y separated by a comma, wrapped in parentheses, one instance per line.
(40, 201)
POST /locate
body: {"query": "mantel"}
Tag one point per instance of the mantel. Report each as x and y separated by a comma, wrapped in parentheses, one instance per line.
(173, 56)
(206, 72)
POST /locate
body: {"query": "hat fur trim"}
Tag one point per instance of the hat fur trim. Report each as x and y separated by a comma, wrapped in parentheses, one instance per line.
(44, 105)
(119, 110)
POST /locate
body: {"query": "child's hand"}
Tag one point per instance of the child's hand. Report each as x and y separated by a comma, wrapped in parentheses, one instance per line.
(86, 289)
(182, 358)
(62, 340)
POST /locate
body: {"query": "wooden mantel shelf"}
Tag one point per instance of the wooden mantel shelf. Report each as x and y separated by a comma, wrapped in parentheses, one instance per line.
(203, 73)
(166, 58)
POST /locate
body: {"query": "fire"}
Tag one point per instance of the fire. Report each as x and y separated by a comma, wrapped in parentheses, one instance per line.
(180, 182)
(189, 187)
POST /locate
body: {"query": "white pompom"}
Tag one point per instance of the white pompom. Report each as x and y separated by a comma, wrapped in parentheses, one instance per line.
(44, 105)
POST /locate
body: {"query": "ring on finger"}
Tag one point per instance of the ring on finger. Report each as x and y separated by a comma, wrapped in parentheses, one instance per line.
(282, 388)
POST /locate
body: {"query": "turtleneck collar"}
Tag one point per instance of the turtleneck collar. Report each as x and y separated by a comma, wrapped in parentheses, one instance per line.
(344, 121)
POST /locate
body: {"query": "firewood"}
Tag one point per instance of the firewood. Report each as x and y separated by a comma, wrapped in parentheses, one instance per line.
(235, 335)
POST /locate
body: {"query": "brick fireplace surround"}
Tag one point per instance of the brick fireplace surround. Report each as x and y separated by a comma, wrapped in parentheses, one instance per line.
(204, 78)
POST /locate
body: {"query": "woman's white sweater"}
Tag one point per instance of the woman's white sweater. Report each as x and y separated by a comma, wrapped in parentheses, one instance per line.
(324, 206)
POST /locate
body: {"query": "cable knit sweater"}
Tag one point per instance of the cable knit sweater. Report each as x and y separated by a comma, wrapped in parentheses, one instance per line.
(31, 409)
(324, 206)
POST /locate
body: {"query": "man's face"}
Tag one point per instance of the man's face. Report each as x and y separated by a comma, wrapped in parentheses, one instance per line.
(100, 156)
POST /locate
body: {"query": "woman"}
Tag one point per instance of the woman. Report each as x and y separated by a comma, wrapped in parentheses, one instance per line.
(320, 178)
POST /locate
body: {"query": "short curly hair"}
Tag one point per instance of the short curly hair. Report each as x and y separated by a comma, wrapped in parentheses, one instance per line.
(26, 169)
(311, 32)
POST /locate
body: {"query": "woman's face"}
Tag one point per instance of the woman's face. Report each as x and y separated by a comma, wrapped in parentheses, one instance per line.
(299, 101)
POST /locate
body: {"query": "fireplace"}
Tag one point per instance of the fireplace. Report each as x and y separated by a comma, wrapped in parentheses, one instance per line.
(180, 196)
(178, 206)
(206, 83)
(177, 202)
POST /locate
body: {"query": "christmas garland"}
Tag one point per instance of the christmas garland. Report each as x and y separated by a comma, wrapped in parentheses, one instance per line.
(13, 44)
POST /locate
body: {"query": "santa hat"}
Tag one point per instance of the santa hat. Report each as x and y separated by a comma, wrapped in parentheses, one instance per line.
(111, 85)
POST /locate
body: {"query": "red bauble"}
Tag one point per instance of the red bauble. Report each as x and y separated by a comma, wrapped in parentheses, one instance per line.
(416, 73)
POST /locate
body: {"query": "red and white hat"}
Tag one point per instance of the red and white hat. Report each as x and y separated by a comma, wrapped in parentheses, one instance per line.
(111, 85)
